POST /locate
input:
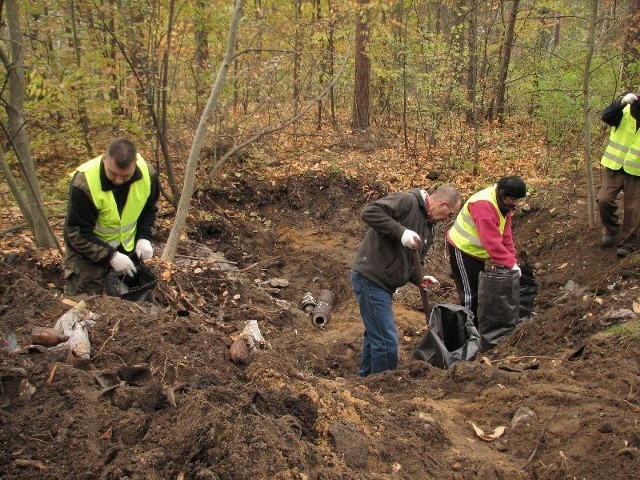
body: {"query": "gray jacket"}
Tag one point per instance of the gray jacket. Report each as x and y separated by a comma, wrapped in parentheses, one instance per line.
(381, 257)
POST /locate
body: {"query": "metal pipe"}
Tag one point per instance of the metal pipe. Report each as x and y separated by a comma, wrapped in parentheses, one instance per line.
(322, 311)
(308, 303)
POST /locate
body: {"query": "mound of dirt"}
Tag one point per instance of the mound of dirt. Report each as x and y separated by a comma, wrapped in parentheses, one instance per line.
(161, 398)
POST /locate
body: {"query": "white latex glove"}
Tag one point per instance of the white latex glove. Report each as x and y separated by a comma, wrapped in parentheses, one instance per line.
(516, 267)
(411, 239)
(144, 249)
(629, 98)
(428, 280)
(123, 264)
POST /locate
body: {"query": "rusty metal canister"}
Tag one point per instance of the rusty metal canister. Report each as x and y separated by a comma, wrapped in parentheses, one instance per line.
(322, 310)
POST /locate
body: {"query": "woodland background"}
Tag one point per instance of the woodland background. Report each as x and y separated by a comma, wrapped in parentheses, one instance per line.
(442, 82)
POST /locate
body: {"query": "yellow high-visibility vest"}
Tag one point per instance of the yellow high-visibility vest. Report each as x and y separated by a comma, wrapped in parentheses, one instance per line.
(110, 226)
(623, 149)
(464, 233)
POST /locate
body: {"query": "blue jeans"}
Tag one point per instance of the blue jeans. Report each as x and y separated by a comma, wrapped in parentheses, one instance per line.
(380, 344)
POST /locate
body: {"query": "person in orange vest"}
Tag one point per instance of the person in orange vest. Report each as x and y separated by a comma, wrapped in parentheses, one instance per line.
(621, 173)
(111, 213)
(481, 232)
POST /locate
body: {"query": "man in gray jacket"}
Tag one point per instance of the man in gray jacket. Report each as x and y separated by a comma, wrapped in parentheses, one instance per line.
(398, 224)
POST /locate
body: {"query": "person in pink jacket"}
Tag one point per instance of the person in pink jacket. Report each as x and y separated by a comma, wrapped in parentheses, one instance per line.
(482, 232)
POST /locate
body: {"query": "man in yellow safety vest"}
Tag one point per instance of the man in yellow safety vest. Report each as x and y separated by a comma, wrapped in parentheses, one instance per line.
(111, 213)
(621, 162)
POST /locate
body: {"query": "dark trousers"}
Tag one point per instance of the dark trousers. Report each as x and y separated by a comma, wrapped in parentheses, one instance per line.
(465, 271)
(613, 182)
(83, 276)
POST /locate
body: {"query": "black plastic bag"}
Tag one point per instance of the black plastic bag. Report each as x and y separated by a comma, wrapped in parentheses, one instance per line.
(498, 305)
(528, 292)
(451, 337)
(134, 289)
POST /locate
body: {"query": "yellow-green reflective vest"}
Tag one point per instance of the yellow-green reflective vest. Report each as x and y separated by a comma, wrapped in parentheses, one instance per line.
(110, 227)
(623, 149)
(464, 233)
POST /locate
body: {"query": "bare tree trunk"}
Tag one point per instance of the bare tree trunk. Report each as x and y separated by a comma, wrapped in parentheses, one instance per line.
(18, 195)
(586, 110)
(472, 67)
(17, 131)
(362, 69)
(323, 72)
(201, 57)
(171, 247)
(403, 59)
(82, 110)
(297, 56)
(504, 63)
(332, 52)
(630, 60)
(111, 52)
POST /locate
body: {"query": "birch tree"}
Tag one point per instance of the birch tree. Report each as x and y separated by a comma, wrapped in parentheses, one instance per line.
(586, 111)
(171, 247)
(30, 201)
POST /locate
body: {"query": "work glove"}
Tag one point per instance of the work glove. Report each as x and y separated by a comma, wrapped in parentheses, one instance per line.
(123, 264)
(629, 98)
(411, 239)
(144, 249)
(517, 269)
(428, 280)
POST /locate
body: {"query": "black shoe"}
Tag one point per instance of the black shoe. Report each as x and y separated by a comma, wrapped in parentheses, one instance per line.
(624, 252)
(607, 240)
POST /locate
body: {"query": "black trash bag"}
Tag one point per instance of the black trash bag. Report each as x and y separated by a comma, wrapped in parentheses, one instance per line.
(498, 305)
(528, 292)
(451, 337)
(134, 289)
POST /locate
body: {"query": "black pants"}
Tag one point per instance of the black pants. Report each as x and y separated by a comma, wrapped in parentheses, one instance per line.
(465, 271)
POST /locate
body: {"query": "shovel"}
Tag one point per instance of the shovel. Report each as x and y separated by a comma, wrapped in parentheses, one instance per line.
(423, 293)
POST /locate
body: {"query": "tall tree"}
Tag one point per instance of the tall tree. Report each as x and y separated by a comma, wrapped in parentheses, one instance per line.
(507, 47)
(631, 49)
(171, 246)
(36, 216)
(362, 69)
(586, 111)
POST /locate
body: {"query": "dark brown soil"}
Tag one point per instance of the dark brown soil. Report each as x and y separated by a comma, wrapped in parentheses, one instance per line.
(297, 410)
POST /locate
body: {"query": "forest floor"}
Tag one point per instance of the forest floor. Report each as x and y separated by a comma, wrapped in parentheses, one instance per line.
(297, 409)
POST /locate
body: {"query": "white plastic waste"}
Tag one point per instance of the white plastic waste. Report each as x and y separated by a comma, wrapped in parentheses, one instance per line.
(75, 324)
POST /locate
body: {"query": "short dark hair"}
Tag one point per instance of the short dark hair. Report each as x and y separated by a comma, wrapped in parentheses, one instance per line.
(512, 187)
(122, 151)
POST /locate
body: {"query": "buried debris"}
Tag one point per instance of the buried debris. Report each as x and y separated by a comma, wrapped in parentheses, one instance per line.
(249, 340)
(75, 325)
(322, 310)
(239, 352)
(48, 337)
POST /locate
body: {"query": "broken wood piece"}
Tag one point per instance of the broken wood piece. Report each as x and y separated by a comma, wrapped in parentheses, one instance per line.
(52, 374)
(24, 463)
(171, 396)
(47, 336)
(253, 335)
